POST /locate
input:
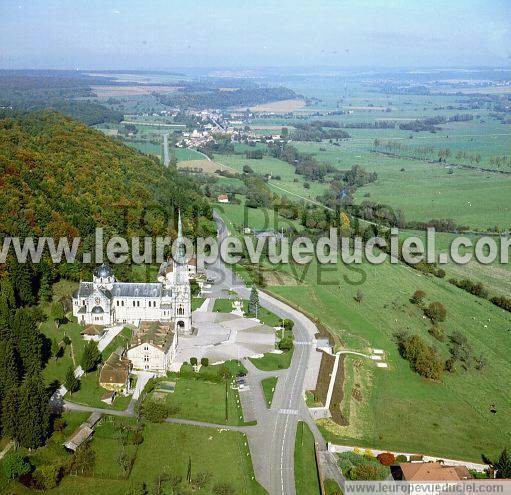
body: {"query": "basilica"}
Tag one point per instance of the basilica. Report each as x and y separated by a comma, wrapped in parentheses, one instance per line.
(105, 301)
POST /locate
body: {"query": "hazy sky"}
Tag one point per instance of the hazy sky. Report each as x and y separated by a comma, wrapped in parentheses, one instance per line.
(204, 33)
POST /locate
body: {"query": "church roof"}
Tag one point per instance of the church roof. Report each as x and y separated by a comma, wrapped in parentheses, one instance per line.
(103, 271)
(85, 289)
(121, 289)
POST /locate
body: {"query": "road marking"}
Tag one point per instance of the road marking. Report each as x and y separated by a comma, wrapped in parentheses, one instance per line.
(303, 343)
(292, 412)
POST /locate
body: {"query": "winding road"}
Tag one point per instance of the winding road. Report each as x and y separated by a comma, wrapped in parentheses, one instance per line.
(272, 439)
(272, 447)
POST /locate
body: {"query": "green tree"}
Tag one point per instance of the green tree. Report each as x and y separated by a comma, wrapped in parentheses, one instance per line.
(83, 459)
(7, 302)
(58, 312)
(23, 282)
(71, 383)
(253, 303)
(10, 425)
(15, 465)
(9, 371)
(28, 340)
(91, 356)
(502, 465)
(33, 412)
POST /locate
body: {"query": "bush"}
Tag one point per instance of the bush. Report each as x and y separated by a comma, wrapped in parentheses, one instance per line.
(440, 273)
(59, 424)
(223, 489)
(436, 312)
(285, 344)
(138, 438)
(418, 297)
(288, 324)
(502, 302)
(475, 288)
(437, 332)
(15, 465)
(155, 412)
(368, 471)
(204, 362)
(401, 458)
(48, 476)
(386, 458)
(193, 361)
(423, 358)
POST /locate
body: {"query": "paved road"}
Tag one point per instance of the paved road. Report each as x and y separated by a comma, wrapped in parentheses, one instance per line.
(272, 440)
(272, 448)
(166, 158)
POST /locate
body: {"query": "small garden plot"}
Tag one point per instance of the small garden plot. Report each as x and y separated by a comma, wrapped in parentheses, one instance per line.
(166, 387)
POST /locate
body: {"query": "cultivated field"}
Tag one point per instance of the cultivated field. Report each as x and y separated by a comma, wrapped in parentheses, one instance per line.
(282, 106)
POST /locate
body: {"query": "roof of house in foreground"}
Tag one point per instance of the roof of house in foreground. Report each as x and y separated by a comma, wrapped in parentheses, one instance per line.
(433, 471)
(115, 370)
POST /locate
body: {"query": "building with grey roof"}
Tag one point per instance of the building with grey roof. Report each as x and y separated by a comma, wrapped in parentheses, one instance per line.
(106, 301)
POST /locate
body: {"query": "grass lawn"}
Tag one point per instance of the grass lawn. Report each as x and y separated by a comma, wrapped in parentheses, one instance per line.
(332, 488)
(197, 302)
(122, 339)
(222, 454)
(202, 396)
(90, 394)
(265, 316)
(272, 361)
(473, 198)
(56, 368)
(269, 385)
(306, 471)
(397, 409)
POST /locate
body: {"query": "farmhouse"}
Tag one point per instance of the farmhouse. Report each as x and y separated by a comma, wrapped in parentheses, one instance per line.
(223, 198)
(114, 374)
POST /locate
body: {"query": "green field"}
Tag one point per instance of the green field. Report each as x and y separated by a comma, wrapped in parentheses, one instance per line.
(199, 398)
(223, 455)
(399, 410)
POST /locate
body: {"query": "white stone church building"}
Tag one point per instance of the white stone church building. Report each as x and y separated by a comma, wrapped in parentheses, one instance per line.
(105, 301)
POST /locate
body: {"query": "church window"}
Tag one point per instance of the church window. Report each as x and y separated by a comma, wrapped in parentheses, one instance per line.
(122, 303)
(138, 304)
(180, 311)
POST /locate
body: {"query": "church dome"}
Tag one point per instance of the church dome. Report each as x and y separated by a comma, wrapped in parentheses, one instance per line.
(103, 271)
(97, 310)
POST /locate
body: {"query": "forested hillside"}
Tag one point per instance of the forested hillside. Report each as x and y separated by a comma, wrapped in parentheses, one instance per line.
(60, 178)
